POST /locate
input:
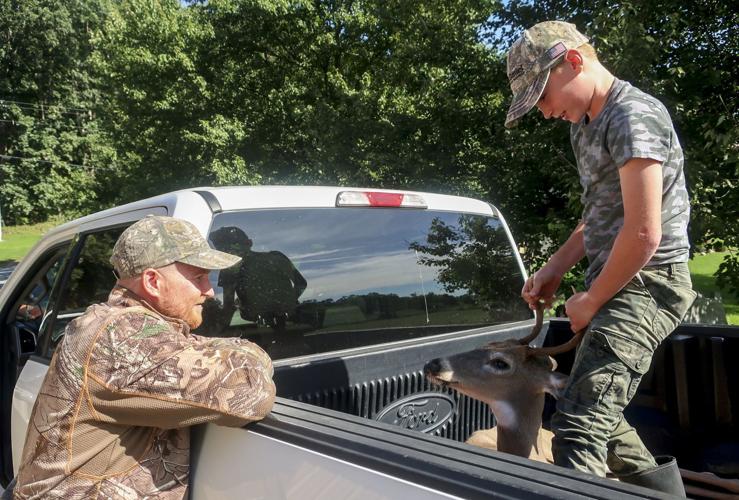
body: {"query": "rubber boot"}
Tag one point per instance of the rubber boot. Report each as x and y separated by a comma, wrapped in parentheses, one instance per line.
(665, 477)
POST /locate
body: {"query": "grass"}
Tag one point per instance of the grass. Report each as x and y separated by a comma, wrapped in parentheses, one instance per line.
(702, 268)
(18, 240)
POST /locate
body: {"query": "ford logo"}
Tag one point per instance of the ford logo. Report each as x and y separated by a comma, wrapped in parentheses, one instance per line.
(423, 412)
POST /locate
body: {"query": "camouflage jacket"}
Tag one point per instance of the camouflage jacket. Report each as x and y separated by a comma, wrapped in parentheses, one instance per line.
(111, 419)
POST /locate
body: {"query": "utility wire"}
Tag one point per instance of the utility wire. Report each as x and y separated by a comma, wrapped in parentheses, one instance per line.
(17, 122)
(85, 167)
(47, 111)
(39, 106)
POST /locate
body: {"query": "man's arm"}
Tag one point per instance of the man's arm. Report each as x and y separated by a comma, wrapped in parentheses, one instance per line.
(141, 372)
(635, 244)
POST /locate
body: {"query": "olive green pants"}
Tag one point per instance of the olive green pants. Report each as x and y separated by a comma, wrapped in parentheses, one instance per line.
(589, 426)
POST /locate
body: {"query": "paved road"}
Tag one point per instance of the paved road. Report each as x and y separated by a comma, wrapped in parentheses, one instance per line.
(5, 273)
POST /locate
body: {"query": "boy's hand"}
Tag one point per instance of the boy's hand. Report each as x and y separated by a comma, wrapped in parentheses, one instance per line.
(541, 287)
(580, 308)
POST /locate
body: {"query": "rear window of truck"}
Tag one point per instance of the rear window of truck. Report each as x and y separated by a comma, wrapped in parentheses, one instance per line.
(318, 280)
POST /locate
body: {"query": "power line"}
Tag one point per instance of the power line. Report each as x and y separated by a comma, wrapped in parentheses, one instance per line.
(85, 167)
(38, 120)
(50, 110)
(40, 106)
(17, 122)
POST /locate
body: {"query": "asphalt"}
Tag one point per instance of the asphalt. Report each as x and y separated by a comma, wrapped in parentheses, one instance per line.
(5, 273)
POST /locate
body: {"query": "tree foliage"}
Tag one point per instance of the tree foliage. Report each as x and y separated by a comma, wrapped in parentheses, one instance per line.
(51, 145)
(107, 101)
(684, 54)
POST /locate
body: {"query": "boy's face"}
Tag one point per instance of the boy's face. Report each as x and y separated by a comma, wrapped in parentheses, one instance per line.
(568, 93)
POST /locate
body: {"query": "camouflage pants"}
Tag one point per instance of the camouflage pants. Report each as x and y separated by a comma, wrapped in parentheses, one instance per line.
(616, 351)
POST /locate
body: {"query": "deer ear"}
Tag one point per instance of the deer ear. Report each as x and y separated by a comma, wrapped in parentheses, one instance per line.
(555, 384)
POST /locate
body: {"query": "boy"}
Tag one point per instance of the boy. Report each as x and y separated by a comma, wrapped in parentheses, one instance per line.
(633, 231)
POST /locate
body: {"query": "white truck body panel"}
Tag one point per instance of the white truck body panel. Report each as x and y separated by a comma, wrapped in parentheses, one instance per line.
(276, 469)
(24, 397)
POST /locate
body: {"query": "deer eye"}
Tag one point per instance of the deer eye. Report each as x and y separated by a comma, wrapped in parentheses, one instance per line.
(498, 364)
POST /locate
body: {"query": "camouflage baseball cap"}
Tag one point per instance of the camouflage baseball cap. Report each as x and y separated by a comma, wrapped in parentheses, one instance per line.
(530, 58)
(156, 241)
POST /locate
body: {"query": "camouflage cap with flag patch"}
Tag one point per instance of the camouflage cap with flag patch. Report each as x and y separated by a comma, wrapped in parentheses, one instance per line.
(157, 241)
(530, 59)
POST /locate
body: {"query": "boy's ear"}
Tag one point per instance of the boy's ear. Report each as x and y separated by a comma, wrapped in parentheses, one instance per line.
(574, 58)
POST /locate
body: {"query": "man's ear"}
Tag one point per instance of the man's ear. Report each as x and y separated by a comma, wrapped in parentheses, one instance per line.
(574, 58)
(151, 282)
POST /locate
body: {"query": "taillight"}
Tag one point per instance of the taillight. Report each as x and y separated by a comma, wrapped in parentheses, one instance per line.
(379, 199)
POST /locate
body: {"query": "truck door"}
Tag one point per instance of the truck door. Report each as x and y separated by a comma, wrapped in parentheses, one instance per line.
(23, 317)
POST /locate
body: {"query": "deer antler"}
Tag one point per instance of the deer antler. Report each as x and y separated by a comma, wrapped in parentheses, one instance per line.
(539, 313)
(548, 351)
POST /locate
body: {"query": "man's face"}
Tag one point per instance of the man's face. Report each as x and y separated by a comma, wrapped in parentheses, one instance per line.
(567, 94)
(184, 289)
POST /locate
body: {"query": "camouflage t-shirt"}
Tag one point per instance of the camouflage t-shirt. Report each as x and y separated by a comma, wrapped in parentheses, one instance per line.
(632, 124)
(111, 419)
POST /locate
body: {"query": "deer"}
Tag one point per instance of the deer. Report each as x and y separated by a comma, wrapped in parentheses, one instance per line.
(511, 377)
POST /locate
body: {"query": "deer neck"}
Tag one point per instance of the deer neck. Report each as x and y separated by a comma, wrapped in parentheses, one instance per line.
(518, 422)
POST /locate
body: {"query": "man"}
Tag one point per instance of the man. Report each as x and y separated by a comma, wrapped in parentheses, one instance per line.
(113, 414)
(634, 233)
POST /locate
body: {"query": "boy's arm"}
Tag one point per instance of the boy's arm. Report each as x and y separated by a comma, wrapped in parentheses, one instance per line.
(543, 284)
(570, 253)
(636, 242)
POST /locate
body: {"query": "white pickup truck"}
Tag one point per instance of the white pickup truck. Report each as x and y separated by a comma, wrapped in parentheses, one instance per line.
(388, 281)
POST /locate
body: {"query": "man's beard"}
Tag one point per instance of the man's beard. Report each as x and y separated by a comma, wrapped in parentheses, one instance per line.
(193, 316)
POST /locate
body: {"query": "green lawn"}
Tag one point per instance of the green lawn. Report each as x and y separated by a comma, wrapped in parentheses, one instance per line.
(17, 240)
(702, 268)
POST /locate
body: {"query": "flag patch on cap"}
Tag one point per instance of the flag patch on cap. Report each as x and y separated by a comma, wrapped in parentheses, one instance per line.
(556, 51)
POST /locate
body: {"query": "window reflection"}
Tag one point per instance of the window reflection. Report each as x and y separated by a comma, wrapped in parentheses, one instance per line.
(328, 279)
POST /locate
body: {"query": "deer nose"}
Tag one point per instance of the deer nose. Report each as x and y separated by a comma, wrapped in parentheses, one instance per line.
(432, 367)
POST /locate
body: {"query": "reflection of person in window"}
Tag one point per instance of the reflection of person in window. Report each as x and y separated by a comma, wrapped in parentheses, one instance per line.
(267, 284)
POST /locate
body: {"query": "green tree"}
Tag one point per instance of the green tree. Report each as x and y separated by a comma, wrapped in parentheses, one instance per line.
(684, 54)
(52, 151)
(110, 101)
(475, 257)
(158, 101)
(367, 92)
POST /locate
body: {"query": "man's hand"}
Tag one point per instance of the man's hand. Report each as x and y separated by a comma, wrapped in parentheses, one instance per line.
(28, 312)
(581, 308)
(541, 287)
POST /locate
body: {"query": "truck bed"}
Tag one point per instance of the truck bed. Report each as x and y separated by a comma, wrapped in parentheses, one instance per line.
(688, 403)
(686, 406)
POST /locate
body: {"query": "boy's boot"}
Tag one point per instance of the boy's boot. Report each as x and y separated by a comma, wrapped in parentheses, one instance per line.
(665, 477)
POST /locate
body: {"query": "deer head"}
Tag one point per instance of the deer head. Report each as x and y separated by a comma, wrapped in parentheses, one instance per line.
(511, 377)
(506, 374)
